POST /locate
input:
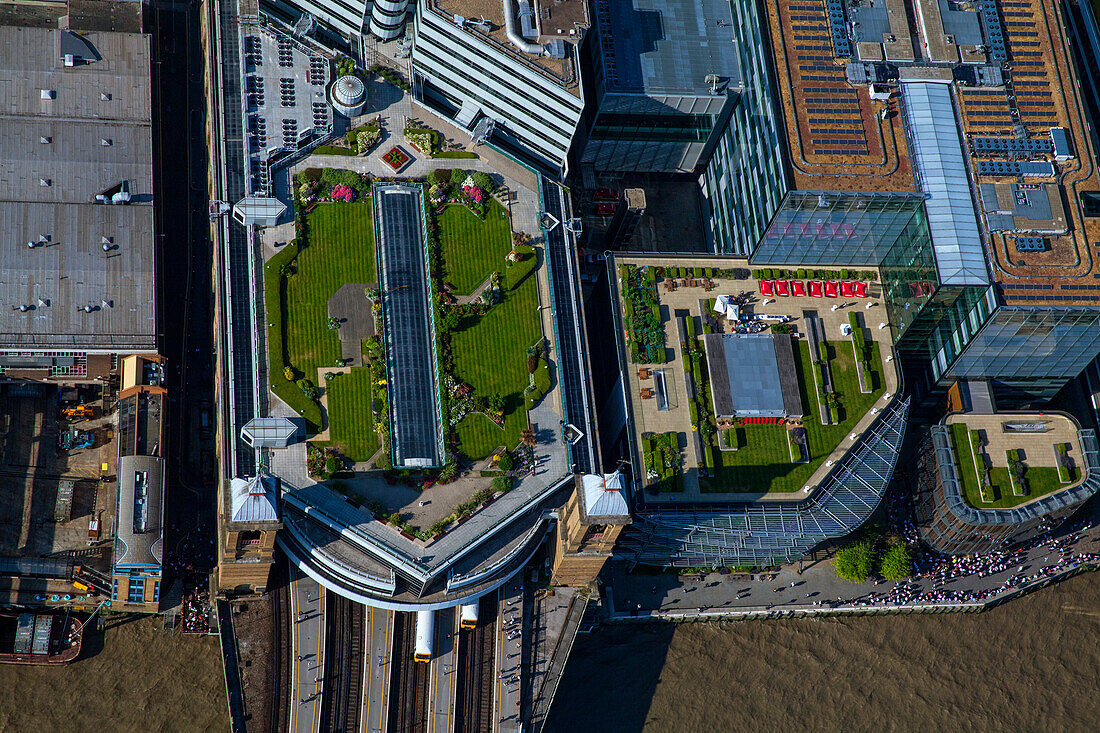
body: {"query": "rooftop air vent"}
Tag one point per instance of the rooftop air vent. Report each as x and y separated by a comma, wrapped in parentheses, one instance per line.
(107, 240)
(46, 94)
(106, 142)
(44, 182)
(104, 97)
(45, 139)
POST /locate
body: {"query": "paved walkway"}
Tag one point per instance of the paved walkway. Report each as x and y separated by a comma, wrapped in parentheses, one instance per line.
(307, 610)
(953, 581)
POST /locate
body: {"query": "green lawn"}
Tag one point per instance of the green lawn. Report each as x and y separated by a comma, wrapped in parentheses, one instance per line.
(490, 352)
(340, 250)
(1041, 479)
(351, 421)
(472, 248)
(763, 464)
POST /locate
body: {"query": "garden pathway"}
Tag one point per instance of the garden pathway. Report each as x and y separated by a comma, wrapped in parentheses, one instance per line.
(472, 297)
(351, 306)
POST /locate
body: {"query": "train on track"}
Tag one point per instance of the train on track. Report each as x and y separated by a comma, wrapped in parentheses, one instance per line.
(468, 619)
(425, 632)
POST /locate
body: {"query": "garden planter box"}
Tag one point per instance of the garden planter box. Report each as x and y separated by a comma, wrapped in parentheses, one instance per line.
(407, 536)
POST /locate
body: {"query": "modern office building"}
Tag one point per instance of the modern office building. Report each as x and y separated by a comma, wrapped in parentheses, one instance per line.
(747, 174)
(665, 80)
(955, 508)
(76, 197)
(508, 74)
(1030, 353)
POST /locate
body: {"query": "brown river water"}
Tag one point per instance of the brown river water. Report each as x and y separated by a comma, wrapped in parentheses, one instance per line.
(1032, 664)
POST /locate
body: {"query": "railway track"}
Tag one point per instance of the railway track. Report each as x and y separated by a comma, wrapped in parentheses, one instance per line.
(342, 690)
(408, 711)
(476, 664)
(282, 633)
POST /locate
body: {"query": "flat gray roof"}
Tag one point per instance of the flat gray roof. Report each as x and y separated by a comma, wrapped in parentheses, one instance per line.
(67, 134)
(752, 375)
(140, 511)
(666, 46)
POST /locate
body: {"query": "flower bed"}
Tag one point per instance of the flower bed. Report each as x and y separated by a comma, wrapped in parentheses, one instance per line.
(396, 158)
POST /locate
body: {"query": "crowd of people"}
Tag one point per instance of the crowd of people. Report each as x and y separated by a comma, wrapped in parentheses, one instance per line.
(196, 611)
(1060, 555)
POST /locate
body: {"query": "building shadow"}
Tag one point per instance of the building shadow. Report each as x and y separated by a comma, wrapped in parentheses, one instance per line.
(610, 679)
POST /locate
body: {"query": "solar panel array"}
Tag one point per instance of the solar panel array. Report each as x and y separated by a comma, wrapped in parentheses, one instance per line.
(1031, 244)
(832, 113)
(1036, 168)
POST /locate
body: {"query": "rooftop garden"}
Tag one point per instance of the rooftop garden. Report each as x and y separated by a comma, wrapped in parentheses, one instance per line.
(490, 330)
(642, 314)
(986, 486)
(765, 459)
(493, 367)
(334, 246)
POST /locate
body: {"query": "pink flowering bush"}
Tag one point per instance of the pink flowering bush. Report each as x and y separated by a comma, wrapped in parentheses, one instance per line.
(474, 193)
(342, 192)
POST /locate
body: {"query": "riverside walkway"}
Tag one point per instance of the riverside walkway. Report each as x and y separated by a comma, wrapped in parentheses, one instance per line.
(961, 583)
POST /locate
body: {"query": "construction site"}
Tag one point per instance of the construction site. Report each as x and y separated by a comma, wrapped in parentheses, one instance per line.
(57, 489)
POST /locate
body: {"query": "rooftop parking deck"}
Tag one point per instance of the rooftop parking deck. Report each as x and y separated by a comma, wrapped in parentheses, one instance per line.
(752, 458)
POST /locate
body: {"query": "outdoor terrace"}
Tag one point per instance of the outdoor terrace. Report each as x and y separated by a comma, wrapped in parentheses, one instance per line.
(1008, 459)
(670, 395)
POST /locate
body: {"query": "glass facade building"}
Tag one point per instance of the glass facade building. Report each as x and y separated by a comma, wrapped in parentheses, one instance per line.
(834, 229)
(948, 524)
(1030, 352)
(745, 179)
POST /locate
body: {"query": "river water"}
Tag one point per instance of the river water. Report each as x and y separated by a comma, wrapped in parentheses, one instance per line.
(1032, 664)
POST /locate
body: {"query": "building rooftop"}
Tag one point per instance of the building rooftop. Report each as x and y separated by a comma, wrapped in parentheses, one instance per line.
(675, 394)
(666, 47)
(604, 495)
(840, 138)
(254, 499)
(752, 374)
(72, 133)
(1041, 100)
(554, 20)
(140, 510)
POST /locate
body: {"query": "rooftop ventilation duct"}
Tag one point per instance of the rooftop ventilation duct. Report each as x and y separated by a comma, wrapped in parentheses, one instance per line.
(513, 36)
(527, 21)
